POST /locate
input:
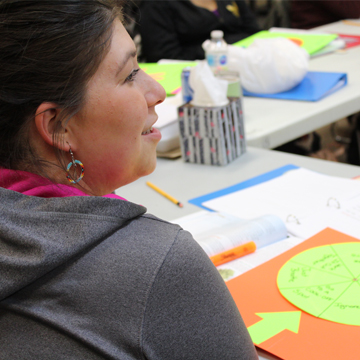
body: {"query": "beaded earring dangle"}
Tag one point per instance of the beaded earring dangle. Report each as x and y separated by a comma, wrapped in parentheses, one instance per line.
(71, 163)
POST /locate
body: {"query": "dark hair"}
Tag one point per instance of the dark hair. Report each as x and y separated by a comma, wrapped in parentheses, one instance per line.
(49, 49)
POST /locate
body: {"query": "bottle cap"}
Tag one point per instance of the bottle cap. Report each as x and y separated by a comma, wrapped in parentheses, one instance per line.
(217, 34)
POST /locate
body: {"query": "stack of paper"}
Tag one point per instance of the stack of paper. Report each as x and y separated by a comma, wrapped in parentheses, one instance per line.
(305, 200)
(302, 296)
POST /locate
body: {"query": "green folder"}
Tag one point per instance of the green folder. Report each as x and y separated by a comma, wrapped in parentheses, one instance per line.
(310, 42)
(168, 75)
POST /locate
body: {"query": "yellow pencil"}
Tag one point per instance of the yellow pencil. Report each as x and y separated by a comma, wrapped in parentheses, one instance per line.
(163, 193)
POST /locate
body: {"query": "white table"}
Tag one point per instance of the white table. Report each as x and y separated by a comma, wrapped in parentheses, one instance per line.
(270, 123)
(185, 181)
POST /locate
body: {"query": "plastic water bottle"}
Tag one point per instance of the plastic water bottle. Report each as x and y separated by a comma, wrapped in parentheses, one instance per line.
(216, 52)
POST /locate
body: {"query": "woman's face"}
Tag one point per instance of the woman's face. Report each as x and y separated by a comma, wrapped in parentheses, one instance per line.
(113, 135)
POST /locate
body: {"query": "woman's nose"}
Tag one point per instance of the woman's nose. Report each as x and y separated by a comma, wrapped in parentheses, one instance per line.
(155, 93)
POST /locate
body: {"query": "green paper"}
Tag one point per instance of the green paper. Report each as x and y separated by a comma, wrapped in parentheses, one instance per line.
(310, 42)
(168, 75)
(226, 274)
(273, 323)
(325, 282)
(346, 308)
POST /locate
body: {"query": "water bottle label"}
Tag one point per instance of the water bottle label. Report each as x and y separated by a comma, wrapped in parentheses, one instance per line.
(211, 59)
(187, 91)
(217, 61)
(223, 60)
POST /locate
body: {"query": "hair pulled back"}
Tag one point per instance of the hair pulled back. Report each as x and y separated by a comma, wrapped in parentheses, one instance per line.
(49, 49)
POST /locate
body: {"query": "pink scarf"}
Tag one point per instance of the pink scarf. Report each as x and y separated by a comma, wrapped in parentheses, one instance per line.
(34, 185)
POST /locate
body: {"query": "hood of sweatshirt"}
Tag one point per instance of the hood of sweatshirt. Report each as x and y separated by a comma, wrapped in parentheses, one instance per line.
(39, 234)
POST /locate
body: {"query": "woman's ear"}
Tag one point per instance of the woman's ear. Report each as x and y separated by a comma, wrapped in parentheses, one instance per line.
(47, 123)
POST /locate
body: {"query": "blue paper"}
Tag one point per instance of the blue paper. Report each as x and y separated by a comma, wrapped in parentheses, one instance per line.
(313, 87)
(243, 185)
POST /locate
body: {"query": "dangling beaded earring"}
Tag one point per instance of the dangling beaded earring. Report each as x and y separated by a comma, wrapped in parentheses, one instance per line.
(71, 163)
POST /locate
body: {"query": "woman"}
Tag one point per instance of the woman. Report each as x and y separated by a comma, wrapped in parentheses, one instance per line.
(173, 29)
(84, 274)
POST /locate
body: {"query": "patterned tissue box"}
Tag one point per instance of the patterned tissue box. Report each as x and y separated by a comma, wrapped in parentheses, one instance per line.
(212, 135)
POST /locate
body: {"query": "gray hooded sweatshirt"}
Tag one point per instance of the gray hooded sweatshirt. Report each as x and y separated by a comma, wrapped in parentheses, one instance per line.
(97, 278)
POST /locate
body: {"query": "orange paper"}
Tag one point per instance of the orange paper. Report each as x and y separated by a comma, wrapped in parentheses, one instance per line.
(312, 338)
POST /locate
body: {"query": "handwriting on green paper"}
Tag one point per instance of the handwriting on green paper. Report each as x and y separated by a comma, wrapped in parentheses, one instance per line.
(325, 282)
(273, 323)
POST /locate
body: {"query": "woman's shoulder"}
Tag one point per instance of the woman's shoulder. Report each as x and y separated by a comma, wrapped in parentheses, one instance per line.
(188, 301)
(165, 248)
(160, 235)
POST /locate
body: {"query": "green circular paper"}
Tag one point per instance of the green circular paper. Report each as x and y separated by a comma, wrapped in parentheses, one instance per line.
(325, 282)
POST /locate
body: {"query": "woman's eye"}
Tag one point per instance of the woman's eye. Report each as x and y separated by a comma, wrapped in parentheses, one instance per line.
(132, 76)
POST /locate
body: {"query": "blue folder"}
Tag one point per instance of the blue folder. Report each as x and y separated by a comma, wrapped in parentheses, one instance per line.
(313, 87)
(198, 201)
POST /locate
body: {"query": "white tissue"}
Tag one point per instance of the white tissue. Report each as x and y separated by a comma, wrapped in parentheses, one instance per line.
(269, 66)
(208, 90)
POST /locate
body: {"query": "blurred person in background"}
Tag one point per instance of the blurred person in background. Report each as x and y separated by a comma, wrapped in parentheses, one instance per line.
(309, 14)
(176, 29)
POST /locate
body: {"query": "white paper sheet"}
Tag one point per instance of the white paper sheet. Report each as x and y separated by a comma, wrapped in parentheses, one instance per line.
(301, 198)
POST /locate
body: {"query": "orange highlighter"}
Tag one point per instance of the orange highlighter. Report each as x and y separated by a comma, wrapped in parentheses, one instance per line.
(234, 253)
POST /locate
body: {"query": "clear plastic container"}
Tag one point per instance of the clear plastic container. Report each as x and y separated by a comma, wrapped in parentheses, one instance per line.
(217, 52)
